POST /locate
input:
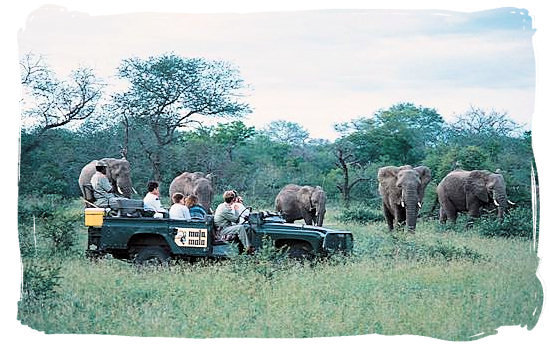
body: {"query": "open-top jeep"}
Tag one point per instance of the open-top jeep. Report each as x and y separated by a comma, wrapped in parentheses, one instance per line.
(125, 234)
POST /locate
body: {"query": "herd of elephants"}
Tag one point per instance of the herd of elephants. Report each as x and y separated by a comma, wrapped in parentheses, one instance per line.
(402, 190)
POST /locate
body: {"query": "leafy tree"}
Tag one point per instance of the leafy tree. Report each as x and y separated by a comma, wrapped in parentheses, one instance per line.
(400, 135)
(169, 92)
(49, 102)
(282, 131)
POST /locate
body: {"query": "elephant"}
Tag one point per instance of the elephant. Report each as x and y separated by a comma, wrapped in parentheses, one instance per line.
(297, 202)
(468, 191)
(194, 183)
(402, 190)
(118, 173)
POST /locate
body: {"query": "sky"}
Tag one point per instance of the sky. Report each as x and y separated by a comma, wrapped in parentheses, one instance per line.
(468, 60)
(320, 67)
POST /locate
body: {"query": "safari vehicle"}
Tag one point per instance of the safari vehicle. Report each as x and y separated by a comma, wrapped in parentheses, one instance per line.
(125, 233)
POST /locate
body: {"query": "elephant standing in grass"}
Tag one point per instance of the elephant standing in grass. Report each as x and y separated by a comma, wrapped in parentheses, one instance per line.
(297, 202)
(118, 173)
(402, 190)
(194, 183)
(468, 191)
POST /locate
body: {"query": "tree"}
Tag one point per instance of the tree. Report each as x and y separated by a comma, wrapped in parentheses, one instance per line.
(282, 131)
(399, 135)
(169, 92)
(349, 165)
(50, 103)
(232, 135)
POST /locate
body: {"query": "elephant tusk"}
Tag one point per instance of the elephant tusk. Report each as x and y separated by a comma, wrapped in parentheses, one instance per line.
(419, 205)
(496, 203)
(134, 190)
(119, 191)
(403, 204)
(511, 203)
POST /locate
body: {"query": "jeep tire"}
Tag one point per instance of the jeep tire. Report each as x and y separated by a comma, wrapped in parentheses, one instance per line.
(151, 255)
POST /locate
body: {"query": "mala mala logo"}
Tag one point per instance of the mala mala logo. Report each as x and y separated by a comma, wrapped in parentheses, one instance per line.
(191, 237)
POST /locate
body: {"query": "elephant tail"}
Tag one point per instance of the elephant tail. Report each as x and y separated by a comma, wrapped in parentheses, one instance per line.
(434, 205)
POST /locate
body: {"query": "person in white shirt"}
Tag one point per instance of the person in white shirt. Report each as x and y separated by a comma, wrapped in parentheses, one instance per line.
(151, 201)
(178, 210)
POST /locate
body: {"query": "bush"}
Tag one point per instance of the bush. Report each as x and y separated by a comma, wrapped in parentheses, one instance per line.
(362, 214)
(61, 229)
(517, 222)
(39, 207)
(39, 280)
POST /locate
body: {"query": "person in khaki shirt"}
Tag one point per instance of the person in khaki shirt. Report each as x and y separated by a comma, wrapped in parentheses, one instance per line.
(226, 217)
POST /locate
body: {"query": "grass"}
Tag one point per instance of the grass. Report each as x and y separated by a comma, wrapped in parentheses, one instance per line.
(437, 283)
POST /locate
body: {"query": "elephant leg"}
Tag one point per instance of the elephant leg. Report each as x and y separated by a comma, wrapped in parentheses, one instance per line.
(449, 210)
(401, 217)
(442, 216)
(308, 219)
(389, 217)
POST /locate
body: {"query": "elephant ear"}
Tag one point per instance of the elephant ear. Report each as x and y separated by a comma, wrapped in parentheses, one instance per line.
(304, 197)
(477, 185)
(425, 175)
(387, 176)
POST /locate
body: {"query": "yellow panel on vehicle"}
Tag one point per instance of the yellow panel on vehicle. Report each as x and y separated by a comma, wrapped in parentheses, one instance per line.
(93, 217)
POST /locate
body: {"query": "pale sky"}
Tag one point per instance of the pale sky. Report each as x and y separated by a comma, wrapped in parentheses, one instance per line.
(318, 68)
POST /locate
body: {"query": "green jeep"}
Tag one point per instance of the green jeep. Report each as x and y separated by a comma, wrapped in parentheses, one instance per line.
(126, 234)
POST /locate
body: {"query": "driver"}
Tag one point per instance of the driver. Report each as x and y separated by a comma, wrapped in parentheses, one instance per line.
(226, 217)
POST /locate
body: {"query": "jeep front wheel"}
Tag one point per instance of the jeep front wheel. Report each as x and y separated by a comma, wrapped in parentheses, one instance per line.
(151, 255)
(300, 251)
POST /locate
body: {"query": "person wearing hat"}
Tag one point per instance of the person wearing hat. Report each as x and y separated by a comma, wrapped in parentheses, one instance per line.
(103, 190)
(226, 217)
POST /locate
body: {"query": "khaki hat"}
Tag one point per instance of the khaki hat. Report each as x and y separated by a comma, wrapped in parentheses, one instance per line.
(101, 163)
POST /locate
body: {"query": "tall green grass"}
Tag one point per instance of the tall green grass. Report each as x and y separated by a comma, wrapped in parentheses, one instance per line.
(439, 283)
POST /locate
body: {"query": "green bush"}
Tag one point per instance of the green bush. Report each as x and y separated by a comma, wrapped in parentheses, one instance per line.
(517, 222)
(40, 207)
(360, 213)
(40, 280)
(61, 229)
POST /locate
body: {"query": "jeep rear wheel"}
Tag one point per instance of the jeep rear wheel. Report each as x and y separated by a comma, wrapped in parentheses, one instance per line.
(151, 255)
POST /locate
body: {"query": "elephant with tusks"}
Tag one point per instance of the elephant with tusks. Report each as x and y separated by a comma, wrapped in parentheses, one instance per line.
(296, 202)
(469, 191)
(402, 190)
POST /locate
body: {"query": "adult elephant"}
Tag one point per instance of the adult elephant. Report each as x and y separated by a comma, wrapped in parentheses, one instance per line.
(194, 183)
(468, 191)
(118, 173)
(402, 190)
(297, 202)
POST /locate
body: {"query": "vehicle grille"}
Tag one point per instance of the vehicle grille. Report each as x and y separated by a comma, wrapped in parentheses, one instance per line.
(342, 242)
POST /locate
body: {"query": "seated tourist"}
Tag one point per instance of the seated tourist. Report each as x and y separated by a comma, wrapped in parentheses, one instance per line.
(196, 210)
(179, 210)
(151, 201)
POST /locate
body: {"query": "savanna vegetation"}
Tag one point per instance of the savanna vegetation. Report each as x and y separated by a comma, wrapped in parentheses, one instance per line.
(444, 281)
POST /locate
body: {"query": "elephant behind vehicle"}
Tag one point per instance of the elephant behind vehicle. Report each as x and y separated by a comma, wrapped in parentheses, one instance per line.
(469, 191)
(118, 173)
(402, 190)
(297, 202)
(194, 183)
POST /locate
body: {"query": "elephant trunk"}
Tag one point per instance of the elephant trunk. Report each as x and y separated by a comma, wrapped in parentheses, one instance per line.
(411, 206)
(501, 200)
(320, 216)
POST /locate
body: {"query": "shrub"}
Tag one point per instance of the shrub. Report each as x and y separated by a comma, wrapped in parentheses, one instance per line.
(39, 280)
(360, 213)
(39, 207)
(517, 222)
(61, 229)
